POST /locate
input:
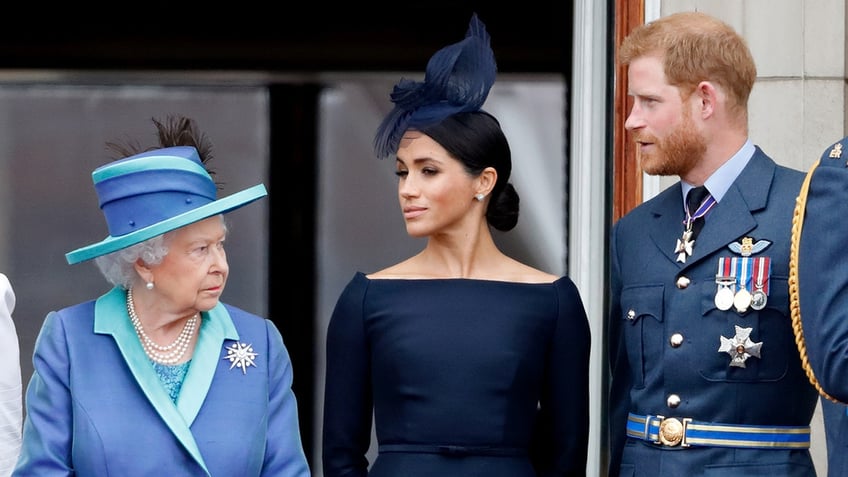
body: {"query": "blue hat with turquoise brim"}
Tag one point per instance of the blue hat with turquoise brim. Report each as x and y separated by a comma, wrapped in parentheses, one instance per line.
(154, 192)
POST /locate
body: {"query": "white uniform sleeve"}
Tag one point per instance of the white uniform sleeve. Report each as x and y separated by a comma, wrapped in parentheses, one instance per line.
(11, 389)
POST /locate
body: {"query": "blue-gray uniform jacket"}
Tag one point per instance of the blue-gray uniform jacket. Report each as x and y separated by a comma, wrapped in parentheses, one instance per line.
(699, 387)
(822, 267)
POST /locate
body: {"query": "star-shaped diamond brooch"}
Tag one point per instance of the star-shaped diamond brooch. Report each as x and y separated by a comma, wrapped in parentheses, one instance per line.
(241, 355)
(740, 347)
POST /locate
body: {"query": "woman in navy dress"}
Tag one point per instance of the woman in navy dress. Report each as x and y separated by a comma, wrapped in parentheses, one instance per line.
(470, 362)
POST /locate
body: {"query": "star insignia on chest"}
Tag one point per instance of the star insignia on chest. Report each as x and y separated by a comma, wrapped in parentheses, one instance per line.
(240, 355)
(740, 347)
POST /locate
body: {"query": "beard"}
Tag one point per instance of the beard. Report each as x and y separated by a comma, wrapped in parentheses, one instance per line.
(676, 154)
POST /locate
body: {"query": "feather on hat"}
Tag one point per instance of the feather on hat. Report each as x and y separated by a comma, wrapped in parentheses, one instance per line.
(458, 79)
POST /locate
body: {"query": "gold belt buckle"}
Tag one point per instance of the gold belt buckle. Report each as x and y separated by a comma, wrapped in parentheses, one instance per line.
(673, 431)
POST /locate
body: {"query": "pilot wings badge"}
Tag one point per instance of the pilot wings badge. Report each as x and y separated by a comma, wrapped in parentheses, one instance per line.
(747, 247)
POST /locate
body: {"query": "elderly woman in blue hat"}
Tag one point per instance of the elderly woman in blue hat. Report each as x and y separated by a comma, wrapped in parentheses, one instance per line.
(472, 363)
(158, 376)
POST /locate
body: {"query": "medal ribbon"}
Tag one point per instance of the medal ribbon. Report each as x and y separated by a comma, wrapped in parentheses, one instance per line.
(762, 269)
(731, 271)
(734, 267)
(724, 267)
(744, 267)
(705, 207)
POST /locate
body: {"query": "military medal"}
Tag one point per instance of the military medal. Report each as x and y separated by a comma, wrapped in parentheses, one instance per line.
(742, 299)
(724, 298)
(685, 244)
(724, 293)
(762, 271)
(743, 282)
(740, 347)
(758, 300)
(725, 284)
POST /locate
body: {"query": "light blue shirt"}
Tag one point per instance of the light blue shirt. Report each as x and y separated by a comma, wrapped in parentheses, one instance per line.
(723, 177)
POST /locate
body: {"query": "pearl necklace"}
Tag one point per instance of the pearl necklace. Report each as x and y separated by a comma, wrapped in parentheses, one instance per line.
(168, 354)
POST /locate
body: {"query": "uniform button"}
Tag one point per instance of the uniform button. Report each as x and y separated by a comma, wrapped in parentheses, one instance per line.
(631, 314)
(673, 401)
(683, 282)
(676, 340)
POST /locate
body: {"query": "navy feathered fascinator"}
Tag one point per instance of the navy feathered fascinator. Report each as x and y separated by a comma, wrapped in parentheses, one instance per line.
(458, 79)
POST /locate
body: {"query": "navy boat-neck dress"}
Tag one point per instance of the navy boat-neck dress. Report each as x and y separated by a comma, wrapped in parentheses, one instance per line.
(464, 377)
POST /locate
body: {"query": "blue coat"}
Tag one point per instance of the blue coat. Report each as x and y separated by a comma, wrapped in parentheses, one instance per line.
(666, 331)
(96, 407)
(822, 267)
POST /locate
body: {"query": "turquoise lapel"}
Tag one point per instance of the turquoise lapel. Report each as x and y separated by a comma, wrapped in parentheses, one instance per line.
(111, 317)
(216, 326)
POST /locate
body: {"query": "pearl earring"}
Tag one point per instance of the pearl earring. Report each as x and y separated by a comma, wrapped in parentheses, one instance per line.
(480, 197)
(149, 285)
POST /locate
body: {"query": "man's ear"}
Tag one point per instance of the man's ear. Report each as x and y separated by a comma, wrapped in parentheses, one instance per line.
(708, 98)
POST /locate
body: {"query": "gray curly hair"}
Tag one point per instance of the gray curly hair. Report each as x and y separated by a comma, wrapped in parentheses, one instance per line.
(119, 267)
